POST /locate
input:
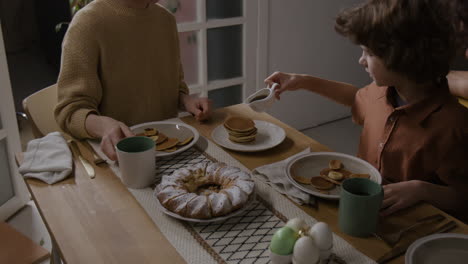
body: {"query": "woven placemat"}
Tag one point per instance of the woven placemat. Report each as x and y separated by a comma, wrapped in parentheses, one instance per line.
(186, 237)
(243, 238)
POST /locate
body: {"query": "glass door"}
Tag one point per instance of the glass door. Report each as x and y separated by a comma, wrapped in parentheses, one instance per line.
(13, 193)
(216, 47)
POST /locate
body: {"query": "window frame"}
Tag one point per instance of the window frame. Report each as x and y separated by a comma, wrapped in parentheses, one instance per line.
(9, 132)
(201, 26)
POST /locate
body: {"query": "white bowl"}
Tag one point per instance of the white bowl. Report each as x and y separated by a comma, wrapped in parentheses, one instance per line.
(310, 165)
(438, 248)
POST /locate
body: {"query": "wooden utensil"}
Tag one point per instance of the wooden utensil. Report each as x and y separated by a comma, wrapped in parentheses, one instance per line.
(392, 239)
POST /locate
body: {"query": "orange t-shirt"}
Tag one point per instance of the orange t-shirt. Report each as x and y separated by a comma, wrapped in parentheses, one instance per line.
(426, 140)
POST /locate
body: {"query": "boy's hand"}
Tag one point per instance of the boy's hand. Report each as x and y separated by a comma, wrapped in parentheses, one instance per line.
(286, 81)
(400, 195)
(200, 108)
(109, 130)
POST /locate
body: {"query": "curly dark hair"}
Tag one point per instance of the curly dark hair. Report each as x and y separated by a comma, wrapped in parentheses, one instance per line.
(460, 12)
(415, 38)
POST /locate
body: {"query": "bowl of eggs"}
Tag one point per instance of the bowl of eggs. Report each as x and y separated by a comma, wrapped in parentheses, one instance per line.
(301, 244)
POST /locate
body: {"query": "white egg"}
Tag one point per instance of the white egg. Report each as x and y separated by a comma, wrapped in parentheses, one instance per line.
(305, 251)
(296, 224)
(322, 235)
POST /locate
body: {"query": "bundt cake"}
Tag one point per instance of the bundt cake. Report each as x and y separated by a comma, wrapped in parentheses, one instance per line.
(205, 190)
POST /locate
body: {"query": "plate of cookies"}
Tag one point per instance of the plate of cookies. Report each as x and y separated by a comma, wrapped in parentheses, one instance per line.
(247, 135)
(321, 173)
(170, 137)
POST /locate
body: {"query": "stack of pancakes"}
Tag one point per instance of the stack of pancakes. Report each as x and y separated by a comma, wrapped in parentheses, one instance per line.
(240, 129)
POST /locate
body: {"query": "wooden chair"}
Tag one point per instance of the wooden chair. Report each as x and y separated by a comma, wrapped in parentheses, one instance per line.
(39, 108)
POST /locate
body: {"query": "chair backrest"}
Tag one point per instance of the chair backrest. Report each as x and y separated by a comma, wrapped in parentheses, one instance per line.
(39, 108)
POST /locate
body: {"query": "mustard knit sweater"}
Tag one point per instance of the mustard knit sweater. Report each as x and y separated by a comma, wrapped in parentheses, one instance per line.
(119, 62)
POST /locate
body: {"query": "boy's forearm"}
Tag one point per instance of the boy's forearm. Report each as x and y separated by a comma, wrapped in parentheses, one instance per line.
(339, 92)
(442, 197)
(458, 83)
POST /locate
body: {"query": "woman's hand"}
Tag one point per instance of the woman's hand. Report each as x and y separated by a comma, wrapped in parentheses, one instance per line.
(286, 81)
(199, 107)
(109, 130)
(400, 195)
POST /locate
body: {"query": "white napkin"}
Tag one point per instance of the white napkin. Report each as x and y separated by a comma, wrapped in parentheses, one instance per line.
(274, 175)
(48, 159)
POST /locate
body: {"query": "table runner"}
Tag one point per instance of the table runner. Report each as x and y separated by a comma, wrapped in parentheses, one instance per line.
(212, 248)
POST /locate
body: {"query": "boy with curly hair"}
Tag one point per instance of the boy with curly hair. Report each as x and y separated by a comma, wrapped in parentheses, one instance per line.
(414, 131)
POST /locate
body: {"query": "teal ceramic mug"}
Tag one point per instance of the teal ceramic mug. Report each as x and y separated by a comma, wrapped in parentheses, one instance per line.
(360, 202)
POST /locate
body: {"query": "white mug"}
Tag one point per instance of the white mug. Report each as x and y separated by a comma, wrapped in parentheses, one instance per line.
(263, 99)
(137, 161)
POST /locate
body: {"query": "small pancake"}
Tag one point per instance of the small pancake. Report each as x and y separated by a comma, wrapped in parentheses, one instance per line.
(161, 138)
(239, 124)
(185, 141)
(320, 183)
(154, 138)
(325, 172)
(330, 180)
(170, 149)
(302, 180)
(345, 173)
(242, 134)
(334, 175)
(335, 164)
(242, 139)
(149, 131)
(169, 143)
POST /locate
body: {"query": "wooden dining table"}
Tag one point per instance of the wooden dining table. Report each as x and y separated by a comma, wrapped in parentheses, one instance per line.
(99, 221)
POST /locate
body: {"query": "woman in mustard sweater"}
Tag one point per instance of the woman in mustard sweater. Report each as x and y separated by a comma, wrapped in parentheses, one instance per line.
(120, 67)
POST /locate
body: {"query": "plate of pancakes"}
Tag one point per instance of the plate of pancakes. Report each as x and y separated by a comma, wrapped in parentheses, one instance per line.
(170, 137)
(321, 173)
(247, 135)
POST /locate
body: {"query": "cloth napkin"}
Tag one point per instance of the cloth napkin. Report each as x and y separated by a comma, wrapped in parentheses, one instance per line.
(274, 175)
(48, 159)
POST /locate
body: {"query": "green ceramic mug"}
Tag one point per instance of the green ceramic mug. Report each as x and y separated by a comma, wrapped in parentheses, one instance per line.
(360, 202)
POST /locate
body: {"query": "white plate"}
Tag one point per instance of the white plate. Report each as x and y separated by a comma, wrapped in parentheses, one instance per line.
(177, 130)
(310, 165)
(268, 136)
(438, 248)
(214, 219)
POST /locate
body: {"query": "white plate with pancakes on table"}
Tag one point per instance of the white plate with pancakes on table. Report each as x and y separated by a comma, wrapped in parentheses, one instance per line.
(321, 173)
(247, 135)
(170, 137)
(205, 192)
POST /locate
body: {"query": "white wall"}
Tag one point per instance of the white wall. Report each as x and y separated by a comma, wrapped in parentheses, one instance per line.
(301, 38)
